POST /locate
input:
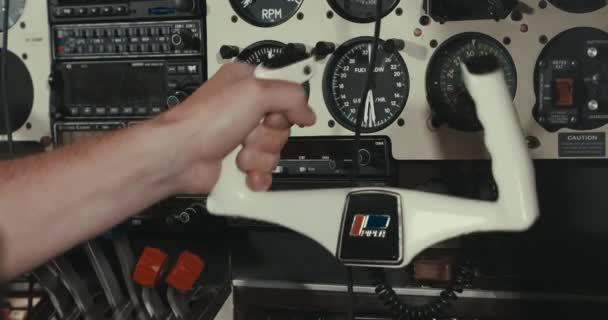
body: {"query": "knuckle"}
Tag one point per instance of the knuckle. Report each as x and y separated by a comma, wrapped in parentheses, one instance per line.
(300, 95)
(244, 160)
(255, 87)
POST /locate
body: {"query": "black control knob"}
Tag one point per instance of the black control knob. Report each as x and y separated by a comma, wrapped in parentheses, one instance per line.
(229, 52)
(176, 98)
(184, 40)
(394, 45)
(365, 157)
(185, 5)
(323, 48)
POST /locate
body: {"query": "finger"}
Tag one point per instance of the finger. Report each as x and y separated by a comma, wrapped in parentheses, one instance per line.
(259, 181)
(234, 72)
(267, 140)
(277, 121)
(281, 97)
(250, 159)
(227, 74)
(246, 103)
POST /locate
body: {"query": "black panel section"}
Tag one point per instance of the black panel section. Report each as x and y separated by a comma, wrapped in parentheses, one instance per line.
(449, 10)
(20, 148)
(332, 158)
(371, 229)
(571, 79)
(20, 91)
(264, 304)
(132, 89)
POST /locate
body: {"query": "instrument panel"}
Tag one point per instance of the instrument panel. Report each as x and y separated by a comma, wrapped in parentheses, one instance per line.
(419, 103)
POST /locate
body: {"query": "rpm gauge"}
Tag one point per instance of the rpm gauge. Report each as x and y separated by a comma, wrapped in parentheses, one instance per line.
(266, 13)
(361, 11)
(15, 12)
(344, 81)
(262, 51)
(446, 92)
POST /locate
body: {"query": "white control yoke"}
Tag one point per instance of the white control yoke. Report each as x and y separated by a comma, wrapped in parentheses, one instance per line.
(423, 219)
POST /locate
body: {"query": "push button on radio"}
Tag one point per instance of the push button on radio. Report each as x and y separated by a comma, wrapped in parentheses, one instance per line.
(127, 111)
(120, 10)
(141, 111)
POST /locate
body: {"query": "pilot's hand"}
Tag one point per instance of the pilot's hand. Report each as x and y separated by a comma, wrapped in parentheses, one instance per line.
(233, 108)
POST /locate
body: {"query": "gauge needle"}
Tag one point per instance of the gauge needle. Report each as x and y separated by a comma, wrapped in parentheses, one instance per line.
(369, 116)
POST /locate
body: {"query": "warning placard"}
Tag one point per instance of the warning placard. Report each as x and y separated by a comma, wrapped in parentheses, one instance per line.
(582, 145)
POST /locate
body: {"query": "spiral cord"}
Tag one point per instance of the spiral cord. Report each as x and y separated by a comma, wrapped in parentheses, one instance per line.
(431, 310)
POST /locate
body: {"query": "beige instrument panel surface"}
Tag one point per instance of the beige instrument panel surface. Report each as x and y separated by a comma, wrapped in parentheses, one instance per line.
(416, 139)
(29, 39)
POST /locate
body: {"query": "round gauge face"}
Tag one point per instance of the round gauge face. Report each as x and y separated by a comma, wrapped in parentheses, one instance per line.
(361, 11)
(260, 52)
(266, 13)
(344, 81)
(15, 12)
(579, 6)
(447, 94)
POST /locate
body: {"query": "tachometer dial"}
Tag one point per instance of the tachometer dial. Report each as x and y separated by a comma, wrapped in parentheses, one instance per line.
(266, 13)
(344, 82)
(262, 51)
(361, 11)
(447, 94)
(15, 12)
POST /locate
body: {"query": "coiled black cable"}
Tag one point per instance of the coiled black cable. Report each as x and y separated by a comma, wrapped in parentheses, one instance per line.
(431, 310)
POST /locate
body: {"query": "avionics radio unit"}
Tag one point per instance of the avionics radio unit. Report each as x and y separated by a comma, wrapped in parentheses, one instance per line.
(130, 39)
(122, 89)
(115, 10)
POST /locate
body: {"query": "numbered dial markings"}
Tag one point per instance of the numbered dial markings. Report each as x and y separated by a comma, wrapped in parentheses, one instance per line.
(361, 11)
(447, 94)
(266, 13)
(260, 52)
(344, 83)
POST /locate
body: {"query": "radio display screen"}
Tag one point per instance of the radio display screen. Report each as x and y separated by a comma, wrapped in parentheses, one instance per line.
(127, 84)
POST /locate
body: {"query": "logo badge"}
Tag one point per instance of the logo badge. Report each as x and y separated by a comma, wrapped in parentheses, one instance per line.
(370, 226)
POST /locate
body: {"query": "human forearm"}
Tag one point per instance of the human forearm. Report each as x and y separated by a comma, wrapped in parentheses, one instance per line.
(54, 201)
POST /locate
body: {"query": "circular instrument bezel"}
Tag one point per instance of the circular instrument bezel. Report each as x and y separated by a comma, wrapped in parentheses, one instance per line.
(16, 10)
(341, 11)
(329, 96)
(441, 110)
(252, 48)
(577, 6)
(240, 11)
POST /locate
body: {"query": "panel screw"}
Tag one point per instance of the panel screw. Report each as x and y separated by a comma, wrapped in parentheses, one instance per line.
(592, 52)
(593, 105)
